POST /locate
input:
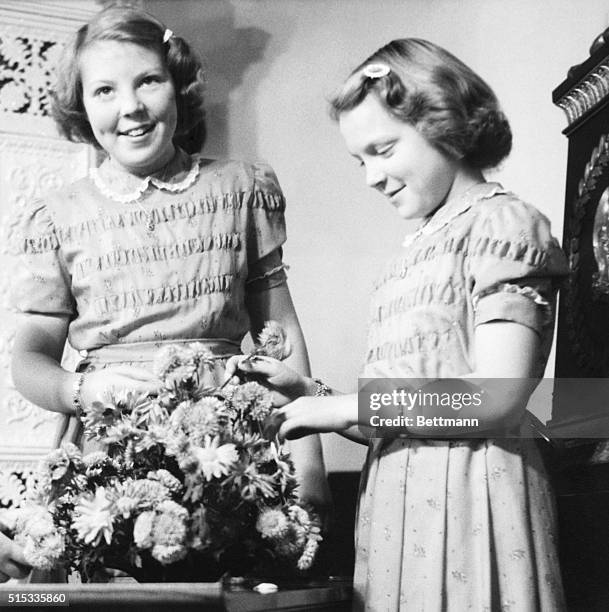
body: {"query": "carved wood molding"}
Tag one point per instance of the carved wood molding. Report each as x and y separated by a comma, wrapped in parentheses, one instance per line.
(586, 94)
(61, 17)
(586, 87)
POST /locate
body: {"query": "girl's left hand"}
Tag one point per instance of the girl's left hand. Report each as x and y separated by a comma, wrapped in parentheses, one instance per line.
(308, 415)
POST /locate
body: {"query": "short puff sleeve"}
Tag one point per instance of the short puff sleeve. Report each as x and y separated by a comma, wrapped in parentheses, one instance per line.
(266, 231)
(515, 264)
(40, 282)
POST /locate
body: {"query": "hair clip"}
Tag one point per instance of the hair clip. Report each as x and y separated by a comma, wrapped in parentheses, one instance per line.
(376, 71)
(167, 35)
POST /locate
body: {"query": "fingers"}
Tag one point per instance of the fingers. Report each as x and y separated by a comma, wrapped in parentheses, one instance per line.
(99, 384)
(232, 366)
(18, 557)
(12, 560)
(258, 364)
(285, 426)
(14, 570)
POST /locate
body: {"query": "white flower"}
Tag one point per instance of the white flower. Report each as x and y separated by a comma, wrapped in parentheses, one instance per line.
(142, 529)
(273, 341)
(43, 545)
(93, 518)
(168, 554)
(214, 460)
(45, 552)
(272, 523)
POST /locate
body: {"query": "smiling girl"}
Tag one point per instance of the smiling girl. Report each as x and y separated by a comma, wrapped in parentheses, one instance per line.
(444, 523)
(157, 245)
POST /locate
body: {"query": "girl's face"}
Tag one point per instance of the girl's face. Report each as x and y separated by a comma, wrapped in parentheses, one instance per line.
(130, 103)
(399, 161)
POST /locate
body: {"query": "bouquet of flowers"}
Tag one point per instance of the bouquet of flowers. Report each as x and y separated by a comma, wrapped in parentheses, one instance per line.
(188, 486)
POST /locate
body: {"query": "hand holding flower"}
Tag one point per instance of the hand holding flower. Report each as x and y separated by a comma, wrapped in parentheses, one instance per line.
(285, 384)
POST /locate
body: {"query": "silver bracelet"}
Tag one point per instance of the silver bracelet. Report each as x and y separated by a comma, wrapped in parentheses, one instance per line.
(321, 389)
(76, 399)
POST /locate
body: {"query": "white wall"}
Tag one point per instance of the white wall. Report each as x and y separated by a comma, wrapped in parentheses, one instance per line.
(272, 65)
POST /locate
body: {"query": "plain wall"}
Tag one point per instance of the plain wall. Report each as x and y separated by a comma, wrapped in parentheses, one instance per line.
(272, 65)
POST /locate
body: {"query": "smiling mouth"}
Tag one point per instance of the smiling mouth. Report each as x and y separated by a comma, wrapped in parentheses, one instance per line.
(138, 131)
(394, 193)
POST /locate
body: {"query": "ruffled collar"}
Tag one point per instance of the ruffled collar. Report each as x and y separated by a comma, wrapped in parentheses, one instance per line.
(120, 186)
(450, 211)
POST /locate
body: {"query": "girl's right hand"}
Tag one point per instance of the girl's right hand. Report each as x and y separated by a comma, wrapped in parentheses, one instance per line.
(98, 384)
(286, 384)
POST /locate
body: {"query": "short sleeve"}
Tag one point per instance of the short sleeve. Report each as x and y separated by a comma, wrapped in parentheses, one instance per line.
(266, 230)
(515, 264)
(40, 282)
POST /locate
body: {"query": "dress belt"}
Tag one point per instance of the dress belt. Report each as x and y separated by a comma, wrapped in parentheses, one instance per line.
(220, 348)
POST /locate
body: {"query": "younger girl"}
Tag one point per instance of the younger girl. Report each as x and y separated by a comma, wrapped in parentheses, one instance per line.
(444, 524)
(156, 245)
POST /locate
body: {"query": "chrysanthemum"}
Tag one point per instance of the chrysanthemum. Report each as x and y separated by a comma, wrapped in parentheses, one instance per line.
(43, 551)
(207, 417)
(97, 462)
(93, 518)
(144, 491)
(129, 401)
(166, 478)
(164, 530)
(272, 524)
(273, 341)
(165, 360)
(95, 458)
(170, 524)
(253, 399)
(168, 554)
(56, 464)
(126, 506)
(119, 432)
(213, 459)
(182, 375)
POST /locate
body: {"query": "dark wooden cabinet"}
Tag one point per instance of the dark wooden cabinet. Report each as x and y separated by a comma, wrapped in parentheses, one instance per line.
(580, 417)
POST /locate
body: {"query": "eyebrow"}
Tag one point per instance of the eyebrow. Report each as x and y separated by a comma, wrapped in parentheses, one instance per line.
(144, 73)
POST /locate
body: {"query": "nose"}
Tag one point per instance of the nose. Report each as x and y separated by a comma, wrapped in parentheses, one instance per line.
(374, 174)
(130, 102)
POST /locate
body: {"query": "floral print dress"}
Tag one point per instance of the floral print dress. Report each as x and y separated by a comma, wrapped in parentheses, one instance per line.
(459, 524)
(136, 264)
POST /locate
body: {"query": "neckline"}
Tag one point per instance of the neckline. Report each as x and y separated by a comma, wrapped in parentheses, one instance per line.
(449, 212)
(122, 187)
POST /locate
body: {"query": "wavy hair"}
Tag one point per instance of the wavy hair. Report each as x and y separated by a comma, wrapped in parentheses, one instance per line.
(435, 92)
(130, 25)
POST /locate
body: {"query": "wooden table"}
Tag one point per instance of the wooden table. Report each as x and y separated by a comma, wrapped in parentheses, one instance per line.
(330, 595)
